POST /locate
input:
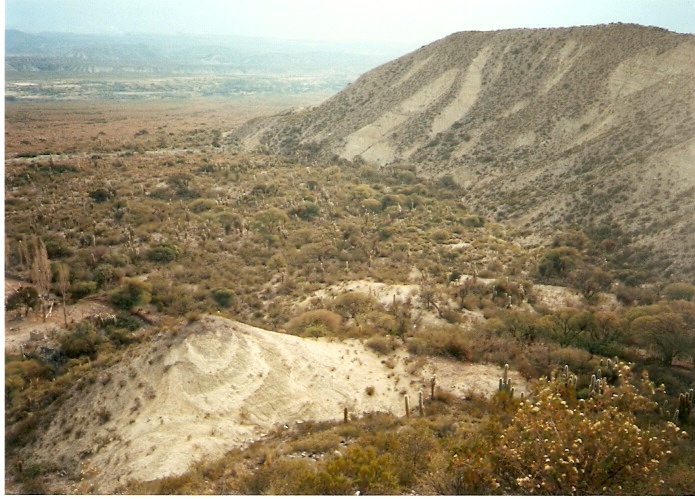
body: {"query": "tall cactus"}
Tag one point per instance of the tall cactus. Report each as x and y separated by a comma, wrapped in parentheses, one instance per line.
(505, 384)
(685, 406)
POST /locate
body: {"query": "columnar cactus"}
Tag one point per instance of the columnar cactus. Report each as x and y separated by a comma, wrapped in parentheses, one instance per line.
(505, 384)
(407, 407)
(685, 406)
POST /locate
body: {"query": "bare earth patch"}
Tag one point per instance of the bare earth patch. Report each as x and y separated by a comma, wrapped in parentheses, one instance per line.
(18, 329)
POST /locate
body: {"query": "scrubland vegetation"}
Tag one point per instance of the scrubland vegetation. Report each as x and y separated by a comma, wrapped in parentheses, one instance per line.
(166, 226)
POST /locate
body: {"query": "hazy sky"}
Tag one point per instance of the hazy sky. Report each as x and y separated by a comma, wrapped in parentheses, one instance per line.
(413, 22)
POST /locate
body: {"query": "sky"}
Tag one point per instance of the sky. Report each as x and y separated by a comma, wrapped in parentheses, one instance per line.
(412, 22)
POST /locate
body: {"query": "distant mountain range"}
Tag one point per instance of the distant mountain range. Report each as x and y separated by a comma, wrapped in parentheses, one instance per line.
(590, 127)
(186, 54)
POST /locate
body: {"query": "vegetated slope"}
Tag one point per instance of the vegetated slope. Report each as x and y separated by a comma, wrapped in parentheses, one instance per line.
(589, 126)
(217, 384)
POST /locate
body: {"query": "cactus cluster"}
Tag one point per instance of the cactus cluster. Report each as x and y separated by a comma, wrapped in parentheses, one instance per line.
(505, 384)
(597, 384)
(685, 406)
(570, 378)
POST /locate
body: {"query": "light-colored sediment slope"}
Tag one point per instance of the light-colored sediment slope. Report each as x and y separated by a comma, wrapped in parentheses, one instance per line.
(220, 384)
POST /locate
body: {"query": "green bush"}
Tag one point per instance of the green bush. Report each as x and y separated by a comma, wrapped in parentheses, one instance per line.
(24, 298)
(308, 211)
(679, 291)
(559, 262)
(163, 253)
(104, 275)
(80, 289)
(357, 469)
(224, 297)
(131, 294)
(101, 195)
(82, 340)
(371, 205)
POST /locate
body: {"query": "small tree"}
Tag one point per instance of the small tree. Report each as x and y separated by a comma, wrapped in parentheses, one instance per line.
(591, 280)
(559, 262)
(666, 333)
(25, 298)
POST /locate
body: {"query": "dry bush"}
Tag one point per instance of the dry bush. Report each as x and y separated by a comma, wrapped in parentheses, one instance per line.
(383, 345)
(282, 477)
(448, 342)
(319, 443)
(315, 323)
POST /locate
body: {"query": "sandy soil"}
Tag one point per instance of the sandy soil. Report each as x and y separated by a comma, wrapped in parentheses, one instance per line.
(221, 384)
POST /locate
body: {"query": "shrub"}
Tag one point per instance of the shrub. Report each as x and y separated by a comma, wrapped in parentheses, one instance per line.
(559, 262)
(679, 291)
(25, 297)
(58, 248)
(381, 344)
(357, 469)
(561, 445)
(80, 289)
(353, 303)
(104, 275)
(224, 297)
(101, 195)
(314, 323)
(131, 294)
(371, 205)
(82, 340)
(163, 253)
(308, 210)
(446, 342)
(201, 205)
(281, 477)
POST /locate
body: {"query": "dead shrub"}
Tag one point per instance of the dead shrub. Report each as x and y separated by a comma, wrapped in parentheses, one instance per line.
(318, 443)
(314, 323)
(383, 345)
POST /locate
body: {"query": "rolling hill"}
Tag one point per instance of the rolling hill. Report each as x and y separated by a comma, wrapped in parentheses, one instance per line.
(584, 127)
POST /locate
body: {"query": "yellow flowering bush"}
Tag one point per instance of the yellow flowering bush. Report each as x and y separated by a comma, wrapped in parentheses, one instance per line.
(558, 444)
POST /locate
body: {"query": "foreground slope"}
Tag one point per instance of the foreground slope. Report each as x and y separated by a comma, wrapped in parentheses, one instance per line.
(219, 384)
(587, 125)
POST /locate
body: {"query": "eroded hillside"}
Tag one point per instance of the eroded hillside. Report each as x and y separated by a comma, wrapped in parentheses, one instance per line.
(586, 126)
(183, 317)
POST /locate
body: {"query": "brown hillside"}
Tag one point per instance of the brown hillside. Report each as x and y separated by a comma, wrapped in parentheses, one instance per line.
(589, 126)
